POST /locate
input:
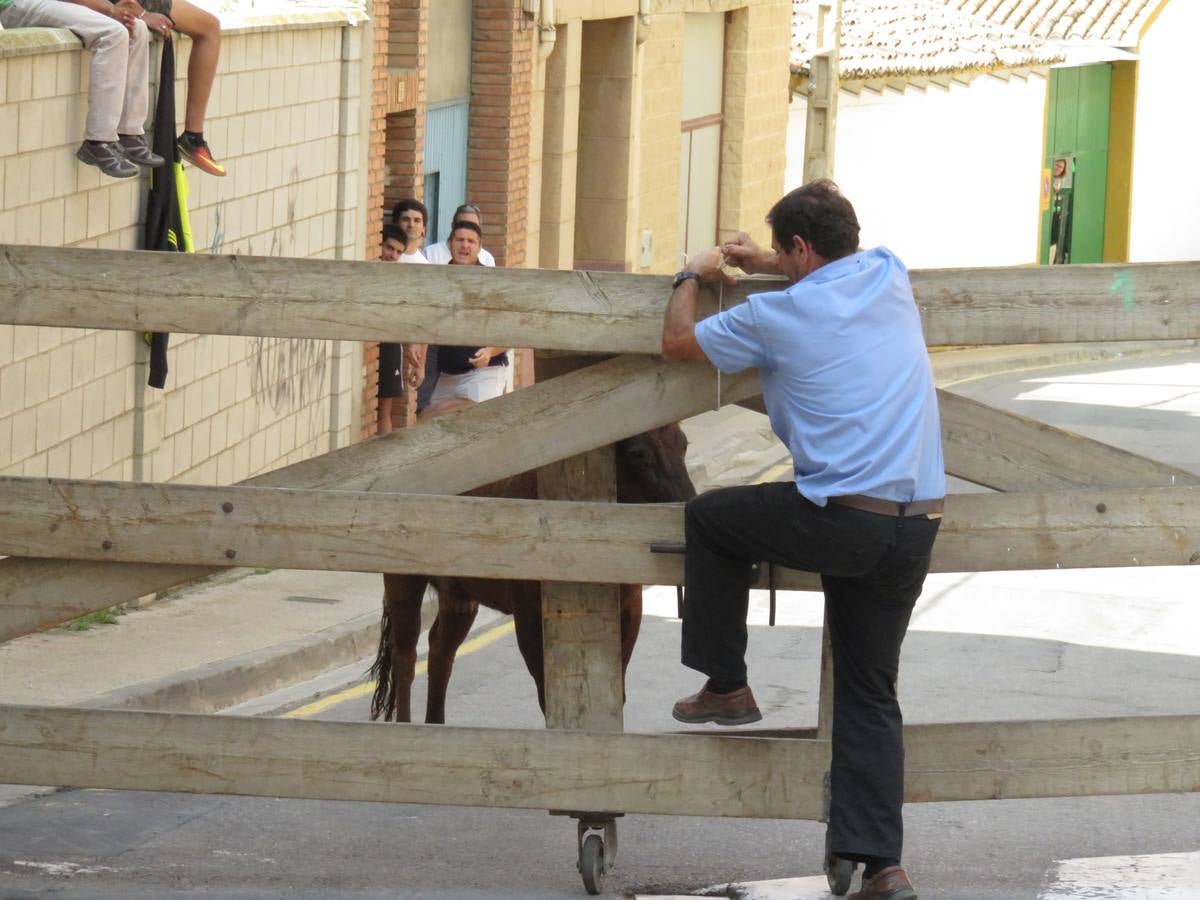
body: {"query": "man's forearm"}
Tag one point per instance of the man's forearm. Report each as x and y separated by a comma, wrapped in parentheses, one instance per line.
(679, 323)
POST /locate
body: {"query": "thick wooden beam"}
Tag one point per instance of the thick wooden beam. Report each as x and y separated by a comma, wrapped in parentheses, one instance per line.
(559, 541)
(145, 751)
(450, 454)
(1060, 758)
(585, 687)
(1010, 452)
(609, 312)
(691, 774)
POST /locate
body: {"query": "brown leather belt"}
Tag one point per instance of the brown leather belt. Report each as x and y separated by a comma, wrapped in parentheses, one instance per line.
(931, 509)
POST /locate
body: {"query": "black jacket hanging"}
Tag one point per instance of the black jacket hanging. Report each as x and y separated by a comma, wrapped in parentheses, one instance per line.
(167, 225)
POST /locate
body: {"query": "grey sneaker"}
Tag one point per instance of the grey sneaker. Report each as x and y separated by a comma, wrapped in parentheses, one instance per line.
(135, 150)
(107, 157)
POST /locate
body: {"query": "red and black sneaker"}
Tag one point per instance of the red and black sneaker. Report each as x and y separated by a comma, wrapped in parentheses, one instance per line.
(195, 150)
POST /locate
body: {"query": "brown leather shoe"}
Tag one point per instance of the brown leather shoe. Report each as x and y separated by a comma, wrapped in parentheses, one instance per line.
(735, 708)
(889, 884)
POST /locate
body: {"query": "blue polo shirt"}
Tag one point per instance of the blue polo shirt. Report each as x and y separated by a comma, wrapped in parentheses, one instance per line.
(846, 378)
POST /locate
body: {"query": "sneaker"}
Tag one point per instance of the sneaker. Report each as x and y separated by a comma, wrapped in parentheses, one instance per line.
(107, 157)
(197, 153)
(135, 150)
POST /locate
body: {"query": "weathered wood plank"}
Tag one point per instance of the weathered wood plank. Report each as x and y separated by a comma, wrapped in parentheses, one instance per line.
(599, 311)
(347, 300)
(675, 774)
(560, 541)
(1010, 452)
(1061, 758)
(1055, 304)
(581, 623)
(1051, 758)
(449, 454)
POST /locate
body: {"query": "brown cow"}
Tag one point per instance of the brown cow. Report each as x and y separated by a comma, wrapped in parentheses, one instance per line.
(650, 469)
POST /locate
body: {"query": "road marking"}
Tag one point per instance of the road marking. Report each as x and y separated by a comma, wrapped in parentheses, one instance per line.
(1163, 876)
(368, 687)
(774, 472)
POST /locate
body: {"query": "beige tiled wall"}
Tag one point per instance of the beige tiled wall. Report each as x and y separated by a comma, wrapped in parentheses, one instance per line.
(285, 120)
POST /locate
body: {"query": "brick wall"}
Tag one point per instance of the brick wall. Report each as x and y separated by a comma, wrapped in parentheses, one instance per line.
(502, 56)
(73, 402)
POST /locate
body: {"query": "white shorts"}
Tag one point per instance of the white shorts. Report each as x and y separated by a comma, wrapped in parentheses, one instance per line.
(477, 386)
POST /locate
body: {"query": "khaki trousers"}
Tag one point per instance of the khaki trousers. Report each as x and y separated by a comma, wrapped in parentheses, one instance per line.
(119, 74)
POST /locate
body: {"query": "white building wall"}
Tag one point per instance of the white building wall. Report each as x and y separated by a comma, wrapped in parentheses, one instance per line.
(945, 178)
(1165, 209)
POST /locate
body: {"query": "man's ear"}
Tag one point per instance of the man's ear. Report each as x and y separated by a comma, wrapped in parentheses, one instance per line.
(800, 245)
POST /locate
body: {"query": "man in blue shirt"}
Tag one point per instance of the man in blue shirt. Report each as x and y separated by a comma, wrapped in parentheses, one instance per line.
(849, 389)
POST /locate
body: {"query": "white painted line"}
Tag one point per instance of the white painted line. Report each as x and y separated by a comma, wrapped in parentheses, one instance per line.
(1164, 876)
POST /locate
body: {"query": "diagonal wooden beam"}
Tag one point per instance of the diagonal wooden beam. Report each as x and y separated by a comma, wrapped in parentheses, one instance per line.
(1010, 452)
(607, 312)
(560, 541)
(448, 455)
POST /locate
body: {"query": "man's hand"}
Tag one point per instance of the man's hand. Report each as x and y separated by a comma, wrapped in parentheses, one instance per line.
(159, 24)
(483, 357)
(414, 365)
(752, 259)
(708, 265)
(125, 11)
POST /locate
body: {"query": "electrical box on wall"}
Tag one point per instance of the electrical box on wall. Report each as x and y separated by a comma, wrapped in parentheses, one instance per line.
(647, 249)
(531, 7)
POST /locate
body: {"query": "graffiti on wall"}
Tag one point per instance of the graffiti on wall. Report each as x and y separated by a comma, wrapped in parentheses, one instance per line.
(289, 373)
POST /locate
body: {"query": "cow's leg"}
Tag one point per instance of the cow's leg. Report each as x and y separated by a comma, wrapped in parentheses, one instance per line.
(527, 620)
(456, 614)
(631, 624)
(397, 659)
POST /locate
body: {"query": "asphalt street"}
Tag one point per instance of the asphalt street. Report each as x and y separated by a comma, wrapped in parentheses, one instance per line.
(985, 647)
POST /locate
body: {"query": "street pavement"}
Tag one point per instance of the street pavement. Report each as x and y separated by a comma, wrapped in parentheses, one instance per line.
(983, 646)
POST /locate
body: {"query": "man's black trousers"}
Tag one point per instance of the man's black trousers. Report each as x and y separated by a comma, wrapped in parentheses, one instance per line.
(872, 568)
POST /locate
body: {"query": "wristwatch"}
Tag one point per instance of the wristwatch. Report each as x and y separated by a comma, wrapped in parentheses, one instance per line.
(681, 277)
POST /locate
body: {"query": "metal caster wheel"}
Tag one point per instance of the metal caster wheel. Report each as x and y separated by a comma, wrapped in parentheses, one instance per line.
(591, 863)
(838, 872)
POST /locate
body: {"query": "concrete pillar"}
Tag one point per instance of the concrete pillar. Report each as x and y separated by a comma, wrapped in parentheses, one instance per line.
(560, 148)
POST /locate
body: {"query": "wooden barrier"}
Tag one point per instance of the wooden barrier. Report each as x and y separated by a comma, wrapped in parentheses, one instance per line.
(369, 507)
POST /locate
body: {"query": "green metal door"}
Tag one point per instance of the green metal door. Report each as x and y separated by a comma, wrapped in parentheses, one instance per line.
(1077, 139)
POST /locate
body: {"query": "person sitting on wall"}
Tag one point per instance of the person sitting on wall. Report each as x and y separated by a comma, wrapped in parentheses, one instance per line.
(205, 31)
(441, 252)
(466, 375)
(118, 75)
(396, 247)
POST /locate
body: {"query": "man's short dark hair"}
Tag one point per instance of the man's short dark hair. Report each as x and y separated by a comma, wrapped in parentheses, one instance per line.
(393, 232)
(407, 204)
(820, 215)
(470, 226)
